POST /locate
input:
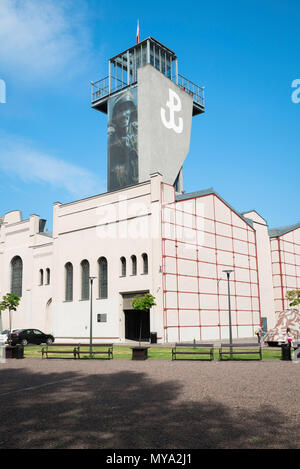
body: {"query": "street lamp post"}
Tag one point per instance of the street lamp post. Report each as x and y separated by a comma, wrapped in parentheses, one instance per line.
(228, 272)
(91, 316)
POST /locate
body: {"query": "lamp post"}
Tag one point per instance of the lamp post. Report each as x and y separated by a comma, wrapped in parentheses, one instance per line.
(91, 316)
(228, 272)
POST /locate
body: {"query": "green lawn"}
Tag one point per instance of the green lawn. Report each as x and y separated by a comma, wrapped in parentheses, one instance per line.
(156, 353)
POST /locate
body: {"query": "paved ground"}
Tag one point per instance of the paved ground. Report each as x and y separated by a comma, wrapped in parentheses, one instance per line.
(151, 404)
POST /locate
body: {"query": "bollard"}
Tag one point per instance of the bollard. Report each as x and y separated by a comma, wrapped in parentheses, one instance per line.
(286, 352)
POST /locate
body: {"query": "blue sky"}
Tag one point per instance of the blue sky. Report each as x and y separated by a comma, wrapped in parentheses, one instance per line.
(246, 54)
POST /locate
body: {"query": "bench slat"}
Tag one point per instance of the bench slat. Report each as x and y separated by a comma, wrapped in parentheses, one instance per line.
(240, 345)
(194, 345)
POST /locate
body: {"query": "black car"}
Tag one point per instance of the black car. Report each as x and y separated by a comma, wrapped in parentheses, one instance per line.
(30, 336)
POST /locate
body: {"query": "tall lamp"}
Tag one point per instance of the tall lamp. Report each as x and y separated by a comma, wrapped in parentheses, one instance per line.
(228, 272)
(91, 279)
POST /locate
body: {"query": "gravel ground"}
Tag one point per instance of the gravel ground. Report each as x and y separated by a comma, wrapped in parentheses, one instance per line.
(152, 404)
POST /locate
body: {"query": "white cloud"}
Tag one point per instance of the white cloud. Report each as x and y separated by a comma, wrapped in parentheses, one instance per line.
(20, 158)
(42, 38)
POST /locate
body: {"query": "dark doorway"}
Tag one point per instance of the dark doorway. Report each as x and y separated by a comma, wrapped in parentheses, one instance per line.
(132, 324)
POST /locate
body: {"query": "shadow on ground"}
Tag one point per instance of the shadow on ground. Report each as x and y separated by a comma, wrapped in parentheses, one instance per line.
(126, 410)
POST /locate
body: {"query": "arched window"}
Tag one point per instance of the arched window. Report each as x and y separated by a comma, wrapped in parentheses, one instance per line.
(85, 274)
(123, 267)
(145, 263)
(47, 276)
(41, 277)
(16, 276)
(69, 282)
(103, 282)
(133, 265)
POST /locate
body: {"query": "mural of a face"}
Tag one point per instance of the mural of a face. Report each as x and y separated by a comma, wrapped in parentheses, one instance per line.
(122, 140)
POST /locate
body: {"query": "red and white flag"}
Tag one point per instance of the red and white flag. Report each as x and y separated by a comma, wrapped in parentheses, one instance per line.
(138, 33)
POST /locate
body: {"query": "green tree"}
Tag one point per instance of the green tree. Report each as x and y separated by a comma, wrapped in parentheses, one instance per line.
(143, 303)
(2, 308)
(11, 302)
(293, 297)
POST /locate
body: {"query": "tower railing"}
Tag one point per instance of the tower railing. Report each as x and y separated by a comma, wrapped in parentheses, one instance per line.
(105, 87)
(110, 84)
(197, 92)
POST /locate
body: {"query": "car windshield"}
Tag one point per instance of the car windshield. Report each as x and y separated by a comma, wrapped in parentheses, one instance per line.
(5, 332)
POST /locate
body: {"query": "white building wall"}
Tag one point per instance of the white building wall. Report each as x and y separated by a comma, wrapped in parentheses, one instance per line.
(285, 250)
(20, 238)
(112, 225)
(263, 247)
(189, 243)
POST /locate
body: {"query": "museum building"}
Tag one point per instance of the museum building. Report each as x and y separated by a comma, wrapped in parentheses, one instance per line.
(145, 234)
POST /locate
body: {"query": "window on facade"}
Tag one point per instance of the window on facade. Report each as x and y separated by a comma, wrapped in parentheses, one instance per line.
(47, 276)
(85, 274)
(69, 282)
(102, 262)
(41, 277)
(133, 265)
(16, 276)
(145, 263)
(123, 266)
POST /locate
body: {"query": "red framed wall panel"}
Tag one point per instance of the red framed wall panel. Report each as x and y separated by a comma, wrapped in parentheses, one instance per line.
(202, 236)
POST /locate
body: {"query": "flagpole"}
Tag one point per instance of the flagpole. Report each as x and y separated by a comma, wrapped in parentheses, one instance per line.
(138, 32)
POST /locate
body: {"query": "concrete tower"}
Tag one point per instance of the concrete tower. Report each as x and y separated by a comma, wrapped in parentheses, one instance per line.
(150, 108)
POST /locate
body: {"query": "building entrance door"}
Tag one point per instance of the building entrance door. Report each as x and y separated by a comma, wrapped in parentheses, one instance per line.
(136, 321)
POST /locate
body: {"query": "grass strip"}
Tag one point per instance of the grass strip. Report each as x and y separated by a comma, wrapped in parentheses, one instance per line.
(154, 353)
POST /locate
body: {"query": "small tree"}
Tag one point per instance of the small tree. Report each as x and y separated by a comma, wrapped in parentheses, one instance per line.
(142, 303)
(293, 297)
(2, 308)
(10, 301)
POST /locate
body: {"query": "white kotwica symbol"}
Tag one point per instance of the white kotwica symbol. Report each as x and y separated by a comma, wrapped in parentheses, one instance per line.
(174, 105)
(2, 92)
(296, 93)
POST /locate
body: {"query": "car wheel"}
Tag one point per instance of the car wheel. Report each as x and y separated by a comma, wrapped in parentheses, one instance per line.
(49, 341)
(24, 342)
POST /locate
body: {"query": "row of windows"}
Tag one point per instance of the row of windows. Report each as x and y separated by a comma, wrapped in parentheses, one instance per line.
(85, 279)
(17, 276)
(102, 276)
(133, 260)
(47, 278)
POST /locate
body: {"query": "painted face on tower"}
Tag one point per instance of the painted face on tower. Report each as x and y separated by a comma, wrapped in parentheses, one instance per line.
(123, 117)
(122, 141)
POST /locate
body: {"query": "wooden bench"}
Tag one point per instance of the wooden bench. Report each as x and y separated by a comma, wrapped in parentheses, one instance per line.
(240, 349)
(54, 348)
(198, 349)
(107, 349)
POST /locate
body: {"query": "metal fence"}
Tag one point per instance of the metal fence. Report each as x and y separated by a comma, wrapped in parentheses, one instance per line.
(109, 85)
